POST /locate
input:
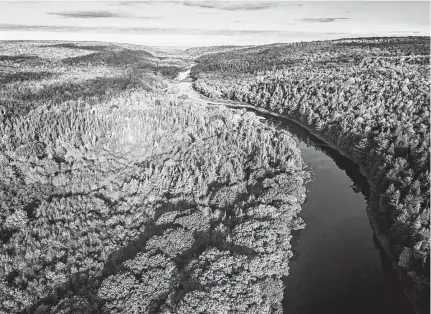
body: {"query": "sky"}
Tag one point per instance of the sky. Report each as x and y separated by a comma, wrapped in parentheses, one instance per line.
(187, 23)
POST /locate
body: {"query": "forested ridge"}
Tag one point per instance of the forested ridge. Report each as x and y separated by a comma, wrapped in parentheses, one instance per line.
(369, 97)
(118, 196)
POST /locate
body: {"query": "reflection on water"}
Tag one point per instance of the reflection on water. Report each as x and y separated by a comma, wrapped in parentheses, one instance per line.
(338, 266)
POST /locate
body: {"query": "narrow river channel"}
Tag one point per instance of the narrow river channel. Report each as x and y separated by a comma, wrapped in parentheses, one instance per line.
(338, 267)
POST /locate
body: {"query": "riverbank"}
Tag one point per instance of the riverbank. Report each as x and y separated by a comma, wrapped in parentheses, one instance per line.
(375, 220)
(378, 223)
(347, 99)
(138, 200)
(363, 256)
(374, 194)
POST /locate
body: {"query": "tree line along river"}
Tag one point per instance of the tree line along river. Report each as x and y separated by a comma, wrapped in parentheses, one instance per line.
(339, 266)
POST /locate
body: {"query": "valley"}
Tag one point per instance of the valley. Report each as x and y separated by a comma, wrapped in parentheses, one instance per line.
(285, 178)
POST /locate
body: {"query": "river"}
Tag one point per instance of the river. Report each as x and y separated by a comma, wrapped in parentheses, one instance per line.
(338, 267)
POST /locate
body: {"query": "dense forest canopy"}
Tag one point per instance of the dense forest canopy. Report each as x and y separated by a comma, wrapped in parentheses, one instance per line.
(352, 52)
(118, 196)
(369, 97)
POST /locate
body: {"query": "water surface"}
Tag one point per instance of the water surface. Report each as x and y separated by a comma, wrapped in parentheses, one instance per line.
(339, 266)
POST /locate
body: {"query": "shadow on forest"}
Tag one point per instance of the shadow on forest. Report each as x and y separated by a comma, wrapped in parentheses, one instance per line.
(82, 285)
(76, 46)
(302, 134)
(344, 303)
(19, 58)
(25, 76)
(137, 58)
(22, 103)
(85, 287)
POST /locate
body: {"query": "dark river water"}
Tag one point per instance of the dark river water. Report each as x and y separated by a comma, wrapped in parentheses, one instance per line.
(338, 265)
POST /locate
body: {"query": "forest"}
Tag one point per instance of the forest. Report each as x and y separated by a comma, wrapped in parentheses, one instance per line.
(119, 196)
(369, 98)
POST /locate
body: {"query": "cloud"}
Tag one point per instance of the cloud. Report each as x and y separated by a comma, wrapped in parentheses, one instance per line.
(131, 30)
(154, 30)
(86, 14)
(231, 6)
(91, 29)
(144, 17)
(99, 14)
(404, 32)
(131, 3)
(323, 19)
(239, 33)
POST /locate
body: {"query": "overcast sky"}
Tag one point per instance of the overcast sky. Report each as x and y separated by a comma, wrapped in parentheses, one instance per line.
(200, 23)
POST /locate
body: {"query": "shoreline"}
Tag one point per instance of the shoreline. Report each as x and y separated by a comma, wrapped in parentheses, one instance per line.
(372, 213)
